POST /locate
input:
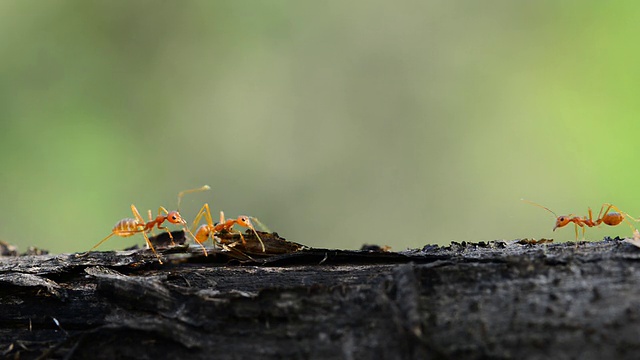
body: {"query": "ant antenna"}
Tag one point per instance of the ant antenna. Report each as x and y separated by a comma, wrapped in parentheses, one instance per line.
(538, 205)
(182, 193)
(262, 226)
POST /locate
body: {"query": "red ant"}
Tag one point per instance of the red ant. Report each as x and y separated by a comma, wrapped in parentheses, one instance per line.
(204, 232)
(608, 218)
(129, 227)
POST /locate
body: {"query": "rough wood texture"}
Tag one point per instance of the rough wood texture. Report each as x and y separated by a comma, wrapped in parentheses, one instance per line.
(464, 301)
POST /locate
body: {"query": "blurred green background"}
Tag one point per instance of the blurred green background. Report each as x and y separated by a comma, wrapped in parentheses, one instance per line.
(336, 123)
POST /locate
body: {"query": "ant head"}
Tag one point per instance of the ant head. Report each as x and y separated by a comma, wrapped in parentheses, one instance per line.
(562, 221)
(244, 220)
(175, 218)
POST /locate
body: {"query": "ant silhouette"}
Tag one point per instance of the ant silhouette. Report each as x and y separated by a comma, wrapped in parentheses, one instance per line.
(129, 227)
(208, 230)
(606, 216)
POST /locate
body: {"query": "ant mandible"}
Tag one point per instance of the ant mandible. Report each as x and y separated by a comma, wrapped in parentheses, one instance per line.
(129, 227)
(612, 218)
(204, 232)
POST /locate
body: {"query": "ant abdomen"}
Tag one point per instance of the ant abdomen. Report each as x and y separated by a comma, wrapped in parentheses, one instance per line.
(612, 219)
(127, 227)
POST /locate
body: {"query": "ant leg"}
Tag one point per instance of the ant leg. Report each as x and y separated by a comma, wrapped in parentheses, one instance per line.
(150, 220)
(173, 243)
(139, 218)
(590, 223)
(232, 222)
(162, 210)
(622, 212)
(146, 238)
(246, 222)
(625, 216)
(207, 215)
(630, 217)
(244, 242)
(204, 211)
(204, 249)
(96, 245)
(136, 214)
(196, 240)
(583, 232)
(234, 231)
(186, 229)
(601, 215)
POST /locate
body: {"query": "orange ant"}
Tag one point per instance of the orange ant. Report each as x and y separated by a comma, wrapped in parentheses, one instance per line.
(129, 227)
(204, 232)
(613, 218)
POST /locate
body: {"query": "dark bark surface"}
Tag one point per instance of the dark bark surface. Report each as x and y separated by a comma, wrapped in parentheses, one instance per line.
(464, 301)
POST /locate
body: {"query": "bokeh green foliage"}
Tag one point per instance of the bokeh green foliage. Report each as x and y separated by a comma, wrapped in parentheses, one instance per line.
(336, 123)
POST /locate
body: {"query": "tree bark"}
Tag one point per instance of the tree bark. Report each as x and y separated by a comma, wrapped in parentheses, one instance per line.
(465, 301)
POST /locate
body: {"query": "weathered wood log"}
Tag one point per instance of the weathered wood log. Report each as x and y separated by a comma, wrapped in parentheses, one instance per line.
(466, 301)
